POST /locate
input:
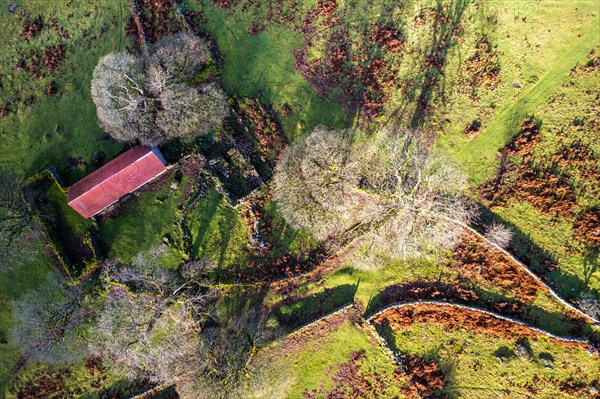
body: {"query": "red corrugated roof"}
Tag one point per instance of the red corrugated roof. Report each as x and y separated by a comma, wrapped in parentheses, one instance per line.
(119, 177)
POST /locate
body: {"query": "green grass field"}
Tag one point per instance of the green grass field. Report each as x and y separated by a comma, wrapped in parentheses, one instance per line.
(473, 371)
(216, 231)
(52, 128)
(263, 66)
(348, 284)
(144, 223)
(56, 127)
(540, 59)
(312, 365)
(538, 43)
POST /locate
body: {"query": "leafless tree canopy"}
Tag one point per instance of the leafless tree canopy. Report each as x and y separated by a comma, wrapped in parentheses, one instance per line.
(408, 197)
(186, 109)
(157, 102)
(49, 330)
(123, 106)
(150, 321)
(145, 335)
(317, 183)
(229, 350)
(178, 59)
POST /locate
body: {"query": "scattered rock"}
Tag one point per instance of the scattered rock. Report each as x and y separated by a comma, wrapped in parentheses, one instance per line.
(594, 349)
(12, 7)
(473, 129)
(594, 389)
(517, 85)
(547, 359)
(503, 354)
(522, 351)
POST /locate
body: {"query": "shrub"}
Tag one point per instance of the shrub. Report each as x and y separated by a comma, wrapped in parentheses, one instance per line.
(499, 234)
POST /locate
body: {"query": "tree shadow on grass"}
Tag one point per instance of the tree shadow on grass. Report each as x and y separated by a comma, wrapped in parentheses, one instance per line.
(540, 261)
(120, 389)
(591, 261)
(206, 218)
(226, 226)
(444, 28)
(293, 314)
(72, 246)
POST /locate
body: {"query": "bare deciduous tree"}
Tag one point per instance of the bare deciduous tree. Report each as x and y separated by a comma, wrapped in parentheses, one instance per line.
(180, 57)
(420, 205)
(186, 109)
(317, 183)
(157, 102)
(263, 378)
(124, 108)
(198, 270)
(151, 318)
(229, 350)
(145, 274)
(266, 379)
(145, 335)
(49, 322)
(408, 198)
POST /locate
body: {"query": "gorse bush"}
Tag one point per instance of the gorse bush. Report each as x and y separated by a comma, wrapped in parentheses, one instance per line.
(155, 101)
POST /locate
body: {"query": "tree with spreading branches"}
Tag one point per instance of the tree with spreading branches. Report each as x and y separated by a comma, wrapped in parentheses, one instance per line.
(51, 330)
(406, 198)
(163, 98)
(150, 320)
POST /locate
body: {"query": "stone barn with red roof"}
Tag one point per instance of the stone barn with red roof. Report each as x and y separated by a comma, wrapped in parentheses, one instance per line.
(121, 176)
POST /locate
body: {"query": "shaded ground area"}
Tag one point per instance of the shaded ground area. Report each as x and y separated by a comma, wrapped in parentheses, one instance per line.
(520, 178)
(66, 232)
(294, 312)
